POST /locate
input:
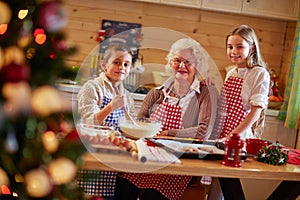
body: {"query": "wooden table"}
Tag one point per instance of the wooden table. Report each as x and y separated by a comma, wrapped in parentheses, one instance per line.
(196, 167)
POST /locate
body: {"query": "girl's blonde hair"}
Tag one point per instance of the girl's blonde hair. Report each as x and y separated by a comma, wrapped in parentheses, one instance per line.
(248, 34)
(116, 47)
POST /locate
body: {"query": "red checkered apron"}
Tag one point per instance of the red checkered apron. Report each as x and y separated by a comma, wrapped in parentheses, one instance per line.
(231, 106)
(171, 186)
(231, 111)
(169, 115)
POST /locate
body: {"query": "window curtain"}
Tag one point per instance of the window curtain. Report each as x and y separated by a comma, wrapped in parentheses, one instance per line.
(291, 105)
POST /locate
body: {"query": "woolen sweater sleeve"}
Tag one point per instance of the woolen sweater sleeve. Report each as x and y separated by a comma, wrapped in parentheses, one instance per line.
(152, 99)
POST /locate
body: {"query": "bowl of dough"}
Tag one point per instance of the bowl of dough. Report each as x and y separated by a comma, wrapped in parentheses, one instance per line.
(139, 127)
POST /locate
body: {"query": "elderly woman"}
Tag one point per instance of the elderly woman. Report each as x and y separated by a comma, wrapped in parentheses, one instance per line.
(186, 108)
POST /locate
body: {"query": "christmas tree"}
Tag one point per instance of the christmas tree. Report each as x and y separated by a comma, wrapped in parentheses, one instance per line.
(39, 156)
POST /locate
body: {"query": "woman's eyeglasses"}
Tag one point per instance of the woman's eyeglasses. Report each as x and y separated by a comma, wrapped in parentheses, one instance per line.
(176, 62)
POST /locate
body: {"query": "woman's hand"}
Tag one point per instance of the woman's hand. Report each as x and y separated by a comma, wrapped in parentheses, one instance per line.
(163, 133)
(117, 102)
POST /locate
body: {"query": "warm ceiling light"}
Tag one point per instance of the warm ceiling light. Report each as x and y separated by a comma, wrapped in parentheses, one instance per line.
(3, 28)
(23, 13)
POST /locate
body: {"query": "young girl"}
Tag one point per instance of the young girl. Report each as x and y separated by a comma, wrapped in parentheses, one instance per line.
(244, 96)
(100, 101)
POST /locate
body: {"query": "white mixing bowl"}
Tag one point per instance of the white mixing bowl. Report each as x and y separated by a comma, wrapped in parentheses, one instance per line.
(144, 127)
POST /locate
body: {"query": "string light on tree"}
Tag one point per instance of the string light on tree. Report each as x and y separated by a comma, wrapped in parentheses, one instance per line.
(50, 142)
(38, 183)
(62, 170)
(5, 13)
(4, 180)
(22, 13)
(3, 28)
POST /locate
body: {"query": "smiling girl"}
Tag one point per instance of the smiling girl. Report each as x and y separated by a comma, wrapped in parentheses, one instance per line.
(100, 102)
(99, 98)
(244, 95)
(243, 99)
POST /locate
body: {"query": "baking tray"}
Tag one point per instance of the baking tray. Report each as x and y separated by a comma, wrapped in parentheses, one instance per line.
(220, 145)
(194, 155)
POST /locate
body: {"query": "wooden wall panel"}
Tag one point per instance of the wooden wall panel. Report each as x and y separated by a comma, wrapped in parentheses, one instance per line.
(208, 28)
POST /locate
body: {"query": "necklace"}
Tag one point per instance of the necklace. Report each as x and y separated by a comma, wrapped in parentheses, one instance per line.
(177, 96)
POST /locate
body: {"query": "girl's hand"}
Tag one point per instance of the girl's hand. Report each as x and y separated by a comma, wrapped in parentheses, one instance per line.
(117, 102)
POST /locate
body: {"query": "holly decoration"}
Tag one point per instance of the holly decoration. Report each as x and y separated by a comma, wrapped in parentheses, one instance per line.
(272, 154)
(37, 159)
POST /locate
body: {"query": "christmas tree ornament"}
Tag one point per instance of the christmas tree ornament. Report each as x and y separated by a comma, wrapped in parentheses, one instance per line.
(47, 95)
(38, 183)
(5, 13)
(50, 142)
(62, 170)
(58, 44)
(15, 105)
(30, 53)
(52, 16)
(4, 180)
(24, 41)
(13, 54)
(14, 72)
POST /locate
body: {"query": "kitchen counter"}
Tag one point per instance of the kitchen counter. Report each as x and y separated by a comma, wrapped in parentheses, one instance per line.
(272, 112)
(138, 97)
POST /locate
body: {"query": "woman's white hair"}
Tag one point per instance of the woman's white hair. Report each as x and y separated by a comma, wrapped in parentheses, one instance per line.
(199, 55)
